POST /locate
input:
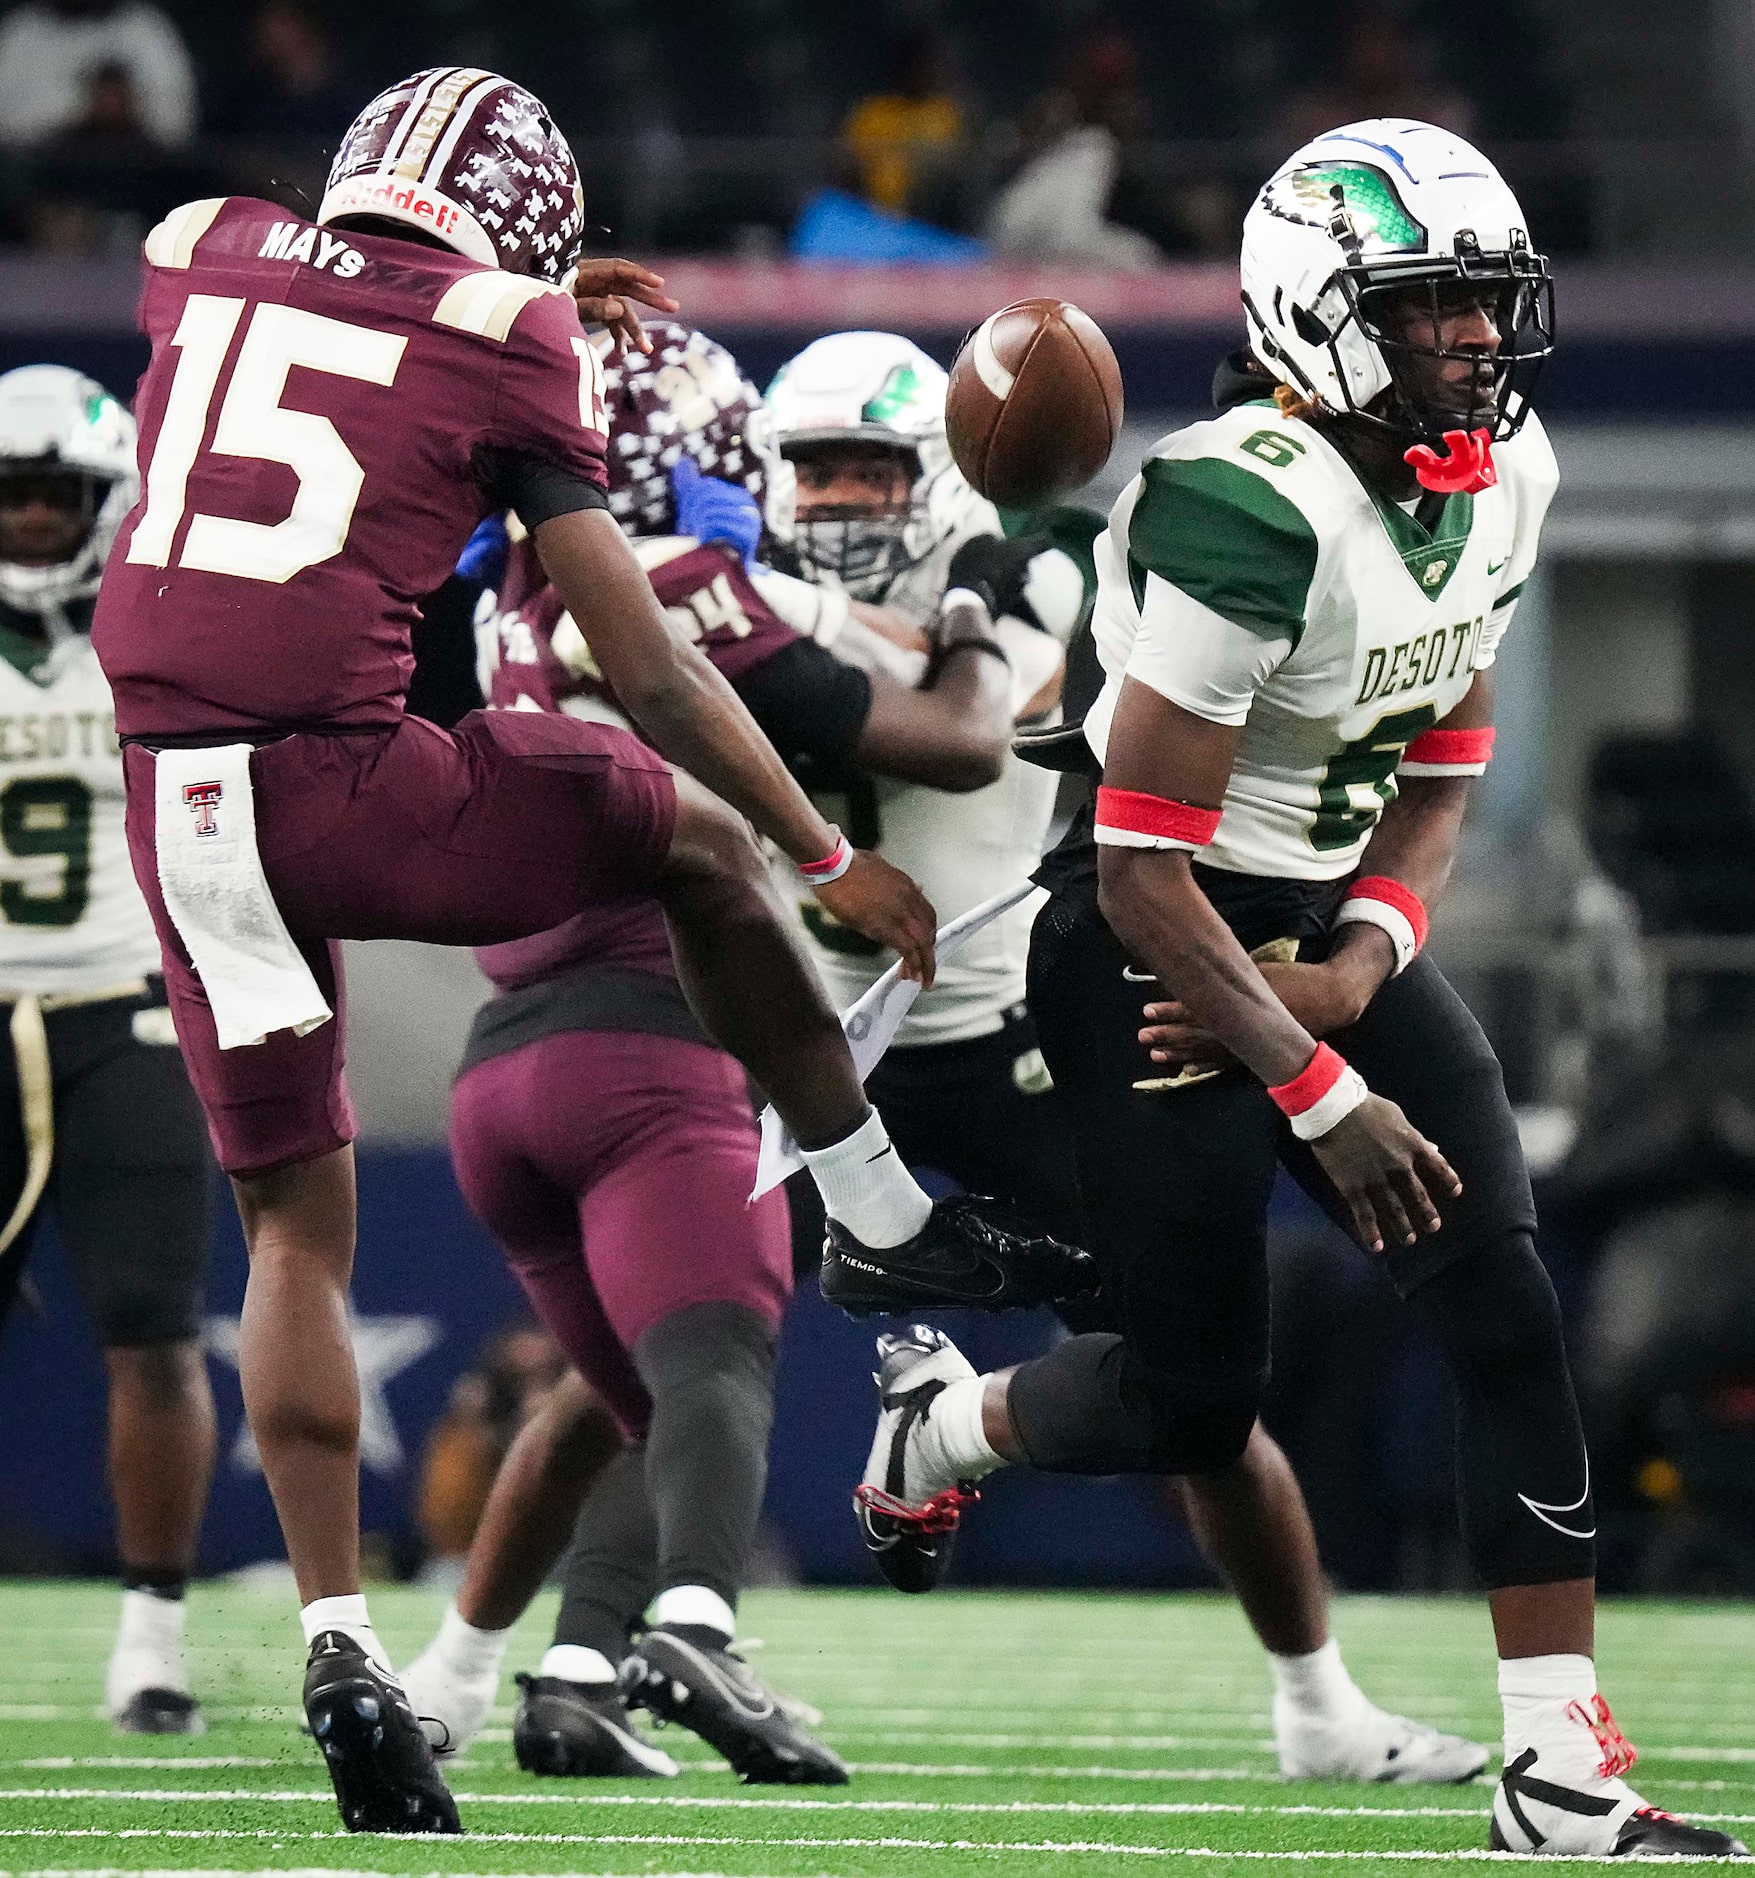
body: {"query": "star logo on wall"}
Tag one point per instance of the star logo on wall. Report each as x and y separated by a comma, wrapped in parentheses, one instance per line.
(383, 1347)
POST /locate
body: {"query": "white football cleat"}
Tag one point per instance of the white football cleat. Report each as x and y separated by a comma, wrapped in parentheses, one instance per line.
(453, 1708)
(1370, 1744)
(1564, 1797)
(907, 1509)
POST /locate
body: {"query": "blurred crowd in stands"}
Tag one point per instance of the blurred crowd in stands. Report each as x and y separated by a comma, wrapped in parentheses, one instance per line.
(1111, 135)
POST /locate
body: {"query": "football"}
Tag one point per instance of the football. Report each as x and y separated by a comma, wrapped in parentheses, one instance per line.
(1034, 405)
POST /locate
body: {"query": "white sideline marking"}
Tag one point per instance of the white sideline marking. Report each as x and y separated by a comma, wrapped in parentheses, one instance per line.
(1104, 1847)
(741, 1804)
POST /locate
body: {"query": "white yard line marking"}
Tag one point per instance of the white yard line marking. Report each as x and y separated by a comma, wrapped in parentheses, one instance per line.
(1102, 1847)
(743, 1804)
(54, 1763)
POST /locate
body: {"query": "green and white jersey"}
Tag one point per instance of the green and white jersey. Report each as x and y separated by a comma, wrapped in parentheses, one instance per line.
(1251, 576)
(71, 917)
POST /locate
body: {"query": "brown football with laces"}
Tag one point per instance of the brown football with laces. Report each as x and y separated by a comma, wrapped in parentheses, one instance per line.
(1035, 403)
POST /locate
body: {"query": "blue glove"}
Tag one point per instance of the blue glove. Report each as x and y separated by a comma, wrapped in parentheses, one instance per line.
(712, 510)
(483, 559)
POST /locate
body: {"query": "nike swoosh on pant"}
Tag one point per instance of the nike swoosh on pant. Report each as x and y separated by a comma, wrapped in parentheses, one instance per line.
(1542, 1509)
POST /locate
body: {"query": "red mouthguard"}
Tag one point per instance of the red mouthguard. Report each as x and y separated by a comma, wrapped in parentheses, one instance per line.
(1466, 470)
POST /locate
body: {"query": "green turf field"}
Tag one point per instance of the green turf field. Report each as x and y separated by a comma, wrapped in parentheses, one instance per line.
(989, 1735)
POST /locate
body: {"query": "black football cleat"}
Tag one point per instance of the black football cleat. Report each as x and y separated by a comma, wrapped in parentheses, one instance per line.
(971, 1253)
(909, 1523)
(161, 1712)
(581, 1731)
(681, 1674)
(383, 1771)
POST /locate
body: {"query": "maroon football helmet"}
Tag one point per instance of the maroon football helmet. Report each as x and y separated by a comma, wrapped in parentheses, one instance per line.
(688, 398)
(470, 158)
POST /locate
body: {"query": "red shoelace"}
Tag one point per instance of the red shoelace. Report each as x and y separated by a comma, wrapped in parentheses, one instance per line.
(939, 1514)
(1619, 1753)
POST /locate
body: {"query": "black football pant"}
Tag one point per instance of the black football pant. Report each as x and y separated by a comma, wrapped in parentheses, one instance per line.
(1175, 1186)
(132, 1176)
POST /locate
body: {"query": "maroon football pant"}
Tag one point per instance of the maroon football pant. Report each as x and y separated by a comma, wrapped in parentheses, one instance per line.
(510, 824)
(615, 1170)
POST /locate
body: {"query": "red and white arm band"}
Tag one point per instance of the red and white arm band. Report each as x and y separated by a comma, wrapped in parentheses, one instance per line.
(1443, 752)
(833, 864)
(1376, 900)
(1129, 818)
(1324, 1092)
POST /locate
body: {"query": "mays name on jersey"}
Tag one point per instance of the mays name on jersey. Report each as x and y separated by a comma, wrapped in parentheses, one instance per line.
(71, 917)
(1250, 575)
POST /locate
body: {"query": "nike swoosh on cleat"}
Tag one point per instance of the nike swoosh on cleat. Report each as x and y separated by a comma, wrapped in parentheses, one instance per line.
(1542, 1509)
(1493, 567)
(1138, 978)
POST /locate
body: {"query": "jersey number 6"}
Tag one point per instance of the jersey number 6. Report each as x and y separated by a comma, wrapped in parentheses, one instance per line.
(252, 424)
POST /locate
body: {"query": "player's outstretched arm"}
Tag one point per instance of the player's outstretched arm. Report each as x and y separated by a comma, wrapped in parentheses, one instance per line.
(1382, 1166)
(691, 715)
(954, 733)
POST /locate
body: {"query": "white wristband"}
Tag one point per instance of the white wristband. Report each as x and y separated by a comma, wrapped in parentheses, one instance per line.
(1348, 1092)
(833, 864)
(1388, 919)
(961, 596)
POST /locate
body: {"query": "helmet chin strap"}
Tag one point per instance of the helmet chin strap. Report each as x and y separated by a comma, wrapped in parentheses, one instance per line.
(1466, 468)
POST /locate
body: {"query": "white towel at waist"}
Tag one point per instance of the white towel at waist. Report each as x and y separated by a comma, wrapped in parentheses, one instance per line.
(256, 979)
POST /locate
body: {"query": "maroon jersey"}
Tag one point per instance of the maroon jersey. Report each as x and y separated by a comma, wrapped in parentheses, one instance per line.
(812, 707)
(325, 419)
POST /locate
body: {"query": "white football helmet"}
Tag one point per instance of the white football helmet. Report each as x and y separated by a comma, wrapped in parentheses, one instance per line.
(54, 419)
(871, 388)
(1356, 218)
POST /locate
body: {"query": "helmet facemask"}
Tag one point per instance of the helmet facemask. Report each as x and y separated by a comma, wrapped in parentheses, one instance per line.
(861, 545)
(1513, 288)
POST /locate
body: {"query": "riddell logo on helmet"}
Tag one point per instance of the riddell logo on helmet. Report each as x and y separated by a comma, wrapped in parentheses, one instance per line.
(364, 194)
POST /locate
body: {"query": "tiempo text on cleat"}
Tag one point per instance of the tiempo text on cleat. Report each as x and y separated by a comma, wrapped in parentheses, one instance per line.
(972, 1252)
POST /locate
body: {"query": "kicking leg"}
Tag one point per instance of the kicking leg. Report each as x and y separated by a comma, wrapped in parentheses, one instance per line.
(757, 994)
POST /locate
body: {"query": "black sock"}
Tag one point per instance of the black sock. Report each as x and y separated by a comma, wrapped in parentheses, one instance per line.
(169, 1585)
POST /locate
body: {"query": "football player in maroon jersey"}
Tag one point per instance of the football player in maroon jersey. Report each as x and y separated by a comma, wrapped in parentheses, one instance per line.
(611, 1151)
(329, 410)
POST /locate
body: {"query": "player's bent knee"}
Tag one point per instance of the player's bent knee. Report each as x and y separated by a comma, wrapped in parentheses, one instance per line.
(1195, 1434)
(1495, 1308)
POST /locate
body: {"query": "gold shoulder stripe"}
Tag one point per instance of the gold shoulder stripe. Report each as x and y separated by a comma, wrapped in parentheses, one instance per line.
(488, 304)
(172, 242)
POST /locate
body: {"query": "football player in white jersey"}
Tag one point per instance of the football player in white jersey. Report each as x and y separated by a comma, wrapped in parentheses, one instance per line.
(1300, 602)
(96, 1113)
(881, 512)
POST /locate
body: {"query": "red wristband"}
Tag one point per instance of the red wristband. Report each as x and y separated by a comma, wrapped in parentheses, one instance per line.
(833, 864)
(1132, 812)
(1392, 893)
(1312, 1082)
(1463, 752)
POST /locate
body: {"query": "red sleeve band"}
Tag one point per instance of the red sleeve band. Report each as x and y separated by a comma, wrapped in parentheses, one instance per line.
(1133, 812)
(1312, 1082)
(1451, 746)
(1392, 893)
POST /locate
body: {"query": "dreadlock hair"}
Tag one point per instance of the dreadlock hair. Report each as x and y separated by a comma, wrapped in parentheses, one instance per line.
(1292, 403)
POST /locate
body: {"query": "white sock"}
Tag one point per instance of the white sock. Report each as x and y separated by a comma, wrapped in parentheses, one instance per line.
(695, 1604)
(1316, 1684)
(1536, 1692)
(865, 1186)
(149, 1648)
(348, 1615)
(953, 1439)
(469, 1650)
(573, 1662)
